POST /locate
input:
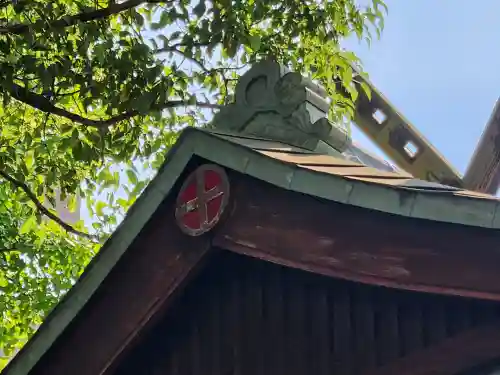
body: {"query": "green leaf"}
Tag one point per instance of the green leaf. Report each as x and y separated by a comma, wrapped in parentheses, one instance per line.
(97, 71)
(144, 102)
(199, 10)
(132, 177)
(3, 281)
(347, 76)
(100, 206)
(139, 19)
(255, 42)
(156, 26)
(164, 19)
(231, 49)
(28, 225)
(367, 90)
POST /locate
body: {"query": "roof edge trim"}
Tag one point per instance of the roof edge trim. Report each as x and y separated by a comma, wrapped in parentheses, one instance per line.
(393, 200)
(412, 203)
(103, 263)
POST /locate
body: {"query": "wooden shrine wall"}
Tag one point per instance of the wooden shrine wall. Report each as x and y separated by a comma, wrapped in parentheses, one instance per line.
(243, 316)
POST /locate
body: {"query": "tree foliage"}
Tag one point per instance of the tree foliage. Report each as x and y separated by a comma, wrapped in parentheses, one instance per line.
(91, 91)
(38, 264)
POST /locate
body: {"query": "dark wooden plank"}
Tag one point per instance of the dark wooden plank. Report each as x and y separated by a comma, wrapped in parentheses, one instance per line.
(215, 331)
(364, 328)
(248, 336)
(388, 342)
(283, 317)
(321, 329)
(201, 324)
(184, 352)
(296, 324)
(435, 321)
(459, 316)
(411, 325)
(252, 314)
(235, 324)
(258, 312)
(143, 283)
(342, 331)
(174, 367)
(450, 357)
(267, 326)
(484, 312)
(227, 322)
(360, 245)
(275, 301)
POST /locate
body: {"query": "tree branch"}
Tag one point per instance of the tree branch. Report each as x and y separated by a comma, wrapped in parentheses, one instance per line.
(81, 17)
(43, 104)
(175, 47)
(44, 210)
(190, 58)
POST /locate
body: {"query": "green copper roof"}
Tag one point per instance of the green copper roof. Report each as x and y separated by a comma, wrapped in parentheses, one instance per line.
(395, 193)
(306, 160)
(289, 167)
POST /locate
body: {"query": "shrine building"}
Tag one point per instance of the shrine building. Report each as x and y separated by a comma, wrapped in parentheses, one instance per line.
(266, 246)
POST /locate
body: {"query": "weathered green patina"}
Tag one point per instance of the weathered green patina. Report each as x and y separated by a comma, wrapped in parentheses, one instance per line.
(274, 112)
(275, 103)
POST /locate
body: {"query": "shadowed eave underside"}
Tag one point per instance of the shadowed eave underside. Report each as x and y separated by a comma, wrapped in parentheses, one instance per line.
(288, 167)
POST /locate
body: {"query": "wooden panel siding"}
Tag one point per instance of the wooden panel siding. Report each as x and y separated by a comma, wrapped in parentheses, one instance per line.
(146, 279)
(244, 316)
(356, 244)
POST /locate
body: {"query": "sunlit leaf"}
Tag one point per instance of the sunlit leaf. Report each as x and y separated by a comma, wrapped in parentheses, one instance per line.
(112, 95)
(28, 225)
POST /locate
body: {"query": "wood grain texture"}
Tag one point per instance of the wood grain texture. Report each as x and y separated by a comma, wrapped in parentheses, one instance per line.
(450, 357)
(146, 278)
(275, 320)
(361, 245)
(241, 305)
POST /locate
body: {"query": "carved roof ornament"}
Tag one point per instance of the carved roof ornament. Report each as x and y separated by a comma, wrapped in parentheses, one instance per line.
(274, 103)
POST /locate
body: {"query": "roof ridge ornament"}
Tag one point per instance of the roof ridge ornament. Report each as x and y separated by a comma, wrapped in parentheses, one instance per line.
(274, 103)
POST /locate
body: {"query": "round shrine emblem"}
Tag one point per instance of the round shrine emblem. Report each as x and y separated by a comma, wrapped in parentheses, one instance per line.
(202, 199)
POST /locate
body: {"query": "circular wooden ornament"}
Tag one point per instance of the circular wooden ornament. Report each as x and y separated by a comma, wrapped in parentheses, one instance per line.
(202, 200)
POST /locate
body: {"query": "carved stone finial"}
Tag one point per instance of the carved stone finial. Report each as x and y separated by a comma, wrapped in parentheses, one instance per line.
(272, 102)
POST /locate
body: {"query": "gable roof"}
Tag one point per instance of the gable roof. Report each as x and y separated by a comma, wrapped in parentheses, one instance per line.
(280, 164)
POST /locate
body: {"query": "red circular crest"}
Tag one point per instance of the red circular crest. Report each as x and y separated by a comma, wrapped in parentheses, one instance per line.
(202, 200)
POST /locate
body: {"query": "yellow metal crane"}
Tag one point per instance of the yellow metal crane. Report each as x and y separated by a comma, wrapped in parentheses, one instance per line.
(409, 149)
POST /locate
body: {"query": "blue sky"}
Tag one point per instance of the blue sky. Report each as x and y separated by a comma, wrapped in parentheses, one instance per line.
(438, 63)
